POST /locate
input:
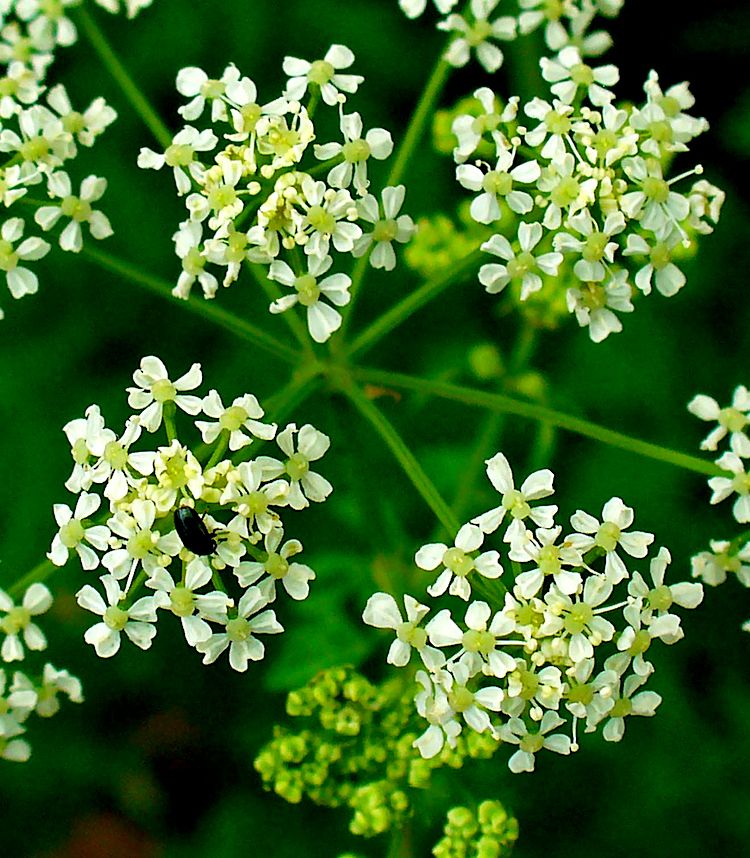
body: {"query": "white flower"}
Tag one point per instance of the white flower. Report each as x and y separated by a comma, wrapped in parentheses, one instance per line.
(382, 612)
(607, 535)
(195, 84)
(476, 35)
(595, 246)
(549, 559)
(86, 126)
(44, 143)
(72, 533)
(732, 419)
(327, 218)
(322, 319)
(472, 705)
(305, 484)
(517, 733)
(479, 642)
(191, 607)
(414, 8)
(521, 267)
(391, 227)
(21, 281)
(53, 683)
(578, 620)
(656, 207)
(48, 20)
(469, 130)
(531, 688)
(135, 620)
(628, 703)
(241, 631)
(116, 461)
(155, 389)
(712, 566)
(187, 243)
(568, 73)
(252, 499)
(722, 487)
(143, 543)
(132, 7)
(243, 413)
(515, 502)
(178, 473)
(324, 73)
(498, 184)
(83, 434)
(554, 126)
(458, 562)
(16, 622)
(77, 208)
(355, 151)
(659, 266)
(432, 704)
(180, 156)
(294, 577)
(593, 304)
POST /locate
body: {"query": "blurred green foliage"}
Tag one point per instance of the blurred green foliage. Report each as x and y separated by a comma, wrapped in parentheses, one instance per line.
(158, 761)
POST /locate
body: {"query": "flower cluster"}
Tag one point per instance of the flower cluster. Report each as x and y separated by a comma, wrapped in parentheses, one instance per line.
(487, 831)
(27, 694)
(580, 192)
(41, 133)
(530, 660)
(479, 26)
(727, 556)
(354, 748)
(203, 534)
(252, 194)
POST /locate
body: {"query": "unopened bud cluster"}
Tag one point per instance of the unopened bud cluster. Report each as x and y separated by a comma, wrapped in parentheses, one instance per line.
(355, 748)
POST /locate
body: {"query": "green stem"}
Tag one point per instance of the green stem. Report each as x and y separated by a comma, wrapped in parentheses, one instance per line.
(403, 310)
(507, 404)
(404, 456)
(199, 306)
(168, 412)
(221, 446)
(358, 275)
(123, 79)
(294, 323)
(427, 101)
(40, 572)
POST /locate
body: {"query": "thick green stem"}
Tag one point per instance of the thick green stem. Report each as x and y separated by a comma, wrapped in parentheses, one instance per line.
(404, 309)
(199, 306)
(404, 456)
(422, 113)
(509, 405)
(40, 572)
(129, 88)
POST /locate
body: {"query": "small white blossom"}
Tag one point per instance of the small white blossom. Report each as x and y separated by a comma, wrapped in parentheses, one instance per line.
(387, 229)
(305, 485)
(516, 732)
(325, 74)
(382, 612)
(734, 419)
(294, 577)
(241, 415)
(17, 625)
(77, 208)
(739, 483)
(73, 533)
(521, 267)
(309, 289)
(155, 389)
(135, 620)
(476, 33)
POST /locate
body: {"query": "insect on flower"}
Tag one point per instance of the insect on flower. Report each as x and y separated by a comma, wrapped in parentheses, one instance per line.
(193, 532)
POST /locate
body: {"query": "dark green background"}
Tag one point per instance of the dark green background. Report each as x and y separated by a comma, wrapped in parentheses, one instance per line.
(159, 759)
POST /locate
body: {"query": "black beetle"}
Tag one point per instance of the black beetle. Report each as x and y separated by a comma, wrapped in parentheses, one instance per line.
(193, 532)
